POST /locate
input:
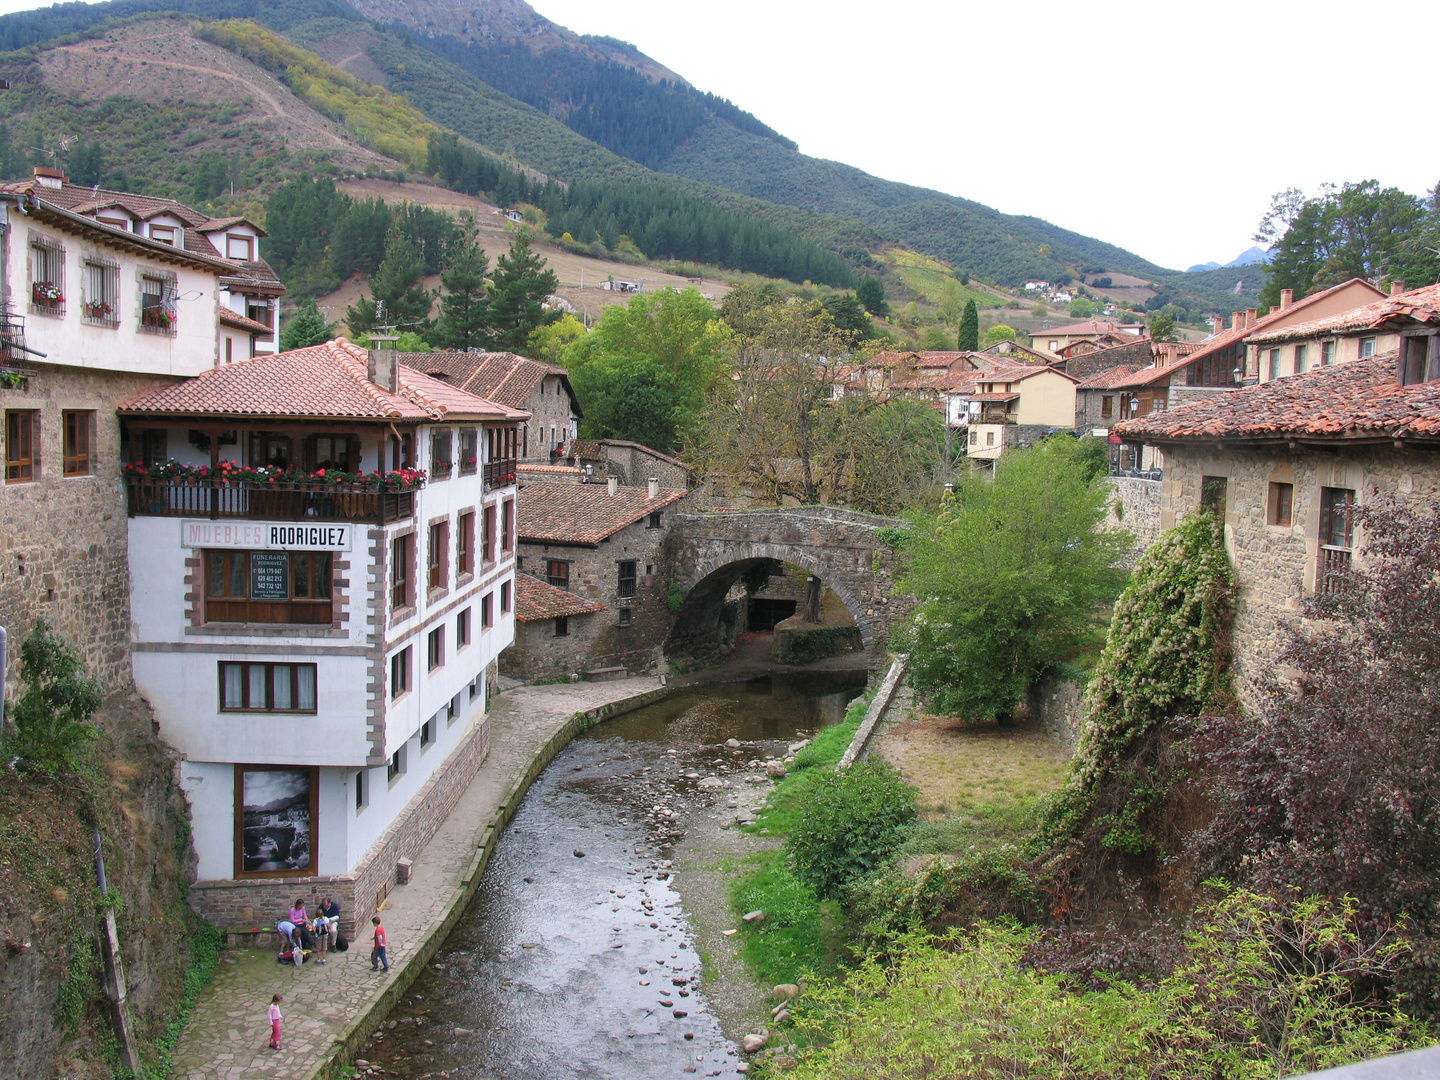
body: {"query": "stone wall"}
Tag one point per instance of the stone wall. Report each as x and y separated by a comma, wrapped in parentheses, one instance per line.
(549, 423)
(539, 654)
(240, 906)
(1055, 704)
(63, 540)
(1136, 509)
(1275, 566)
(1138, 354)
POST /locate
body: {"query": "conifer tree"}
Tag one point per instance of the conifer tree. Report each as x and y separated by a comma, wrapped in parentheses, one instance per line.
(969, 327)
(306, 327)
(464, 302)
(519, 288)
(398, 284)
(871, 293)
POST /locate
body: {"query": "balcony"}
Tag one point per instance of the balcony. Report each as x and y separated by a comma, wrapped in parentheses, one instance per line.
(499, 474)
(273, 501)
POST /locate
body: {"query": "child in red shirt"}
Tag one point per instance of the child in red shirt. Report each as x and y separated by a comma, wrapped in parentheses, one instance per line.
(377, 954)
(275, 1022)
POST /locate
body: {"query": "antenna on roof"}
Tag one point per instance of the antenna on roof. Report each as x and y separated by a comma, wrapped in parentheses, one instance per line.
(66, 142)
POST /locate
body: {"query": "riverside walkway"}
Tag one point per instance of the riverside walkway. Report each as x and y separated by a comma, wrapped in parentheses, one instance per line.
(331, 1007)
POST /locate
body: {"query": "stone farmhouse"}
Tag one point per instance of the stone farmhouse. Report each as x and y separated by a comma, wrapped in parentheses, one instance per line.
(605, 544)
(1018, 353)
(1283, 464)
(317, 640)
(556, 631)
(631, 463)
(517, 382)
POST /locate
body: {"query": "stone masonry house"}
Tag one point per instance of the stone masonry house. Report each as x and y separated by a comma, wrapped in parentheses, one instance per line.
(555, 631)
(1283, 464)
(1100, 334)
(543, 390)
(605, 544)
(631, 463)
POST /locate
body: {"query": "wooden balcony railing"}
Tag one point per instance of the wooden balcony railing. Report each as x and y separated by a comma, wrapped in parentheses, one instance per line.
(499, 474)
(1333, 570)
(267, 502)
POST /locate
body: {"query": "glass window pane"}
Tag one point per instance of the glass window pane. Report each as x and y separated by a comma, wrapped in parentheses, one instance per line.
(300, 575)
(305, 691)
(280, 683)
(237, 574)
(234, 696)
(322, 575)
(217, 573)
(258, 698)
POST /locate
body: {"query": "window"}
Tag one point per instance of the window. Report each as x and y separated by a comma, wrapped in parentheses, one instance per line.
(1301, 353)
(395, 767)
(487, 539)
(330, 452)
(1107, 406)
(288, 688)
(465, 545)
(77, 441)
(1417, 365)
(557, 573)
(562, 626)
(362, 796)
(437, 556)
(259, 313)
(974, 437)
(507, 525)
(22, 445)
(268, 587)
(402, 554)
(47, 276)
(1336, 538)
(1282, 497)
(427, 733)
(1212, 495)
(238, 247)
(989, 438)
(1327, 353)
(435, 649)
(469, 451)
(1367, 347)
(400, 673)
(475, 685)
(441, 459)
(270, 450)
(655, 518)
(157, 302)
(100, 304)
(154, 446)
(452, 709)
(487, 611)
(402, 452)
(114, 222)
(1274, 363)
(1054, 344)
(625, 616)
(462, 629)
(625, 585)
(163, 234)
(505, 604)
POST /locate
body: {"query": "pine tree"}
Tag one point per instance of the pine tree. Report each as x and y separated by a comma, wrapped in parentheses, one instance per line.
(519, 288)
(871, 293)
(306, 327)
(398, 284)
(464, 304)
(969, 327)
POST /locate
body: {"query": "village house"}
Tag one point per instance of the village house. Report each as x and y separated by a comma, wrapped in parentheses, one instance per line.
(1283, 464)
(321, 581)
(1096, 333)
(632, 464)
(604, 544)
(1018, 353)
(1015, 404)
(555, 632)
(1402, 320)
(517, 382)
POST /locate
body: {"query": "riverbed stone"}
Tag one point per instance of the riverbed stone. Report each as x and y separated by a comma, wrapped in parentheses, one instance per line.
(734, 744)
(711, 783)
(753, 916)
(753, 1043)
(775, 769)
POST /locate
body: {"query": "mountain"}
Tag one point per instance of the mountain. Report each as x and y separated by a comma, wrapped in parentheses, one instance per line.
(1246, 258)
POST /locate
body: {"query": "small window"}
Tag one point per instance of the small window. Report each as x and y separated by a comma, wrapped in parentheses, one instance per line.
(395, 767)
(331, 452)
(655, 519)
(22, 445)
(238, 247)
(435, 649)
(1336, 506)
(362, 794)
(47, 276)
(1274, 364)
(288, 688)
(505, 602)
(270, 450)
(557, 573)
(1302, 353)
(427, 733)
(158, 310)
(1107, 406)
(487, 537)
(441, 458)
(625, 583)
(77, 441)
(452, 709)
(259, 313)
(475, 685)
(1282, 497)
(402, 551)
(974, 437)
(989, 438)
(163, 234)
(100, 306)
(437, 556)
(1327, 353)
(469, 451)
(462, 629)
(402, 452)
(562, 626)
(487, 611)
(1367, 347)
(400, 673)
(1212, 495)
(465, 545)
(625, 619)
(1416, 363)
(507, 526)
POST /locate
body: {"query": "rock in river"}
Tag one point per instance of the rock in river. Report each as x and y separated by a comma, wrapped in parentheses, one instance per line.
(753, 1044)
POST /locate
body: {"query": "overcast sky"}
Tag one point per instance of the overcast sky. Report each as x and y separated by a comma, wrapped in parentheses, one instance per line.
(1161, 127)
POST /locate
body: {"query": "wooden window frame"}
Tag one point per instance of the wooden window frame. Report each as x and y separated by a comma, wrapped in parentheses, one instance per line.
(104, 309)
(402, 564)
(400, 673)
(465, 545)
(621, 579)
(562, 625)
(468, 457)
(442, 453)
(487, 540)
(224, 568)
(1369, 341)
(1107, 406)
(427, 734)
(554, 580)
(313, 869)
(22, 446)
(507, 527)
(1280, 505)
(248, 241)
(79, 440)
(437, 556)
(160, 316)
(51, 252)
(462, 629)
(487, 612)
(270, 668)
(507, 598)
(435, 649)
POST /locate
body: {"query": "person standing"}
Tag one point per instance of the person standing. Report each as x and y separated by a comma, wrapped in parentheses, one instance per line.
(377, 954)
(320, 927)
(331, 910)
(275, 1022)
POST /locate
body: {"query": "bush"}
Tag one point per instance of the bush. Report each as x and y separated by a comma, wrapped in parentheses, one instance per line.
(854, 821)
(51, 719)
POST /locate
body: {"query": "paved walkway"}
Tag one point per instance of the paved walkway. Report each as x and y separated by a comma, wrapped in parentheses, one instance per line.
(228, 1033)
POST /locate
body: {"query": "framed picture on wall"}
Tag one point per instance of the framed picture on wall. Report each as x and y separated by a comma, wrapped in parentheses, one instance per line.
(275, 814)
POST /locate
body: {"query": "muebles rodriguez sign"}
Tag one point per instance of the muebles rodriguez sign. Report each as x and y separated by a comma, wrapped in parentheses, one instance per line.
(266, 535)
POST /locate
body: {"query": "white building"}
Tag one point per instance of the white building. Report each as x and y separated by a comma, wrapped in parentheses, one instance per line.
(315, 642)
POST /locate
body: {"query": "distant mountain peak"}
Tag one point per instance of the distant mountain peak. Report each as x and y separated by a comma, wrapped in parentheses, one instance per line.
(1245, 258)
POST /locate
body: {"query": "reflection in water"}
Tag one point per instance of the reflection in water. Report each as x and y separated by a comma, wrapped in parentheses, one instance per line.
(572, 965)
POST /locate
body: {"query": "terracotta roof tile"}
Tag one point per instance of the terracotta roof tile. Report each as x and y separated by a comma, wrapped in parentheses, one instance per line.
(536, 601)
(1358, 400)
(322, 380)
(1420, 305)
(496, 376)
(1109, 380)
(1092, 327)
(241, 322)
(583, 513)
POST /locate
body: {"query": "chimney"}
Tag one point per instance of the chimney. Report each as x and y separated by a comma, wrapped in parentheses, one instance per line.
(654, 491)
(1217, 324)
(613, 485)
(383, 369)
(1396, 288)
(1237, 320)
(1250, 316)
(47, 177)
(1287, 297)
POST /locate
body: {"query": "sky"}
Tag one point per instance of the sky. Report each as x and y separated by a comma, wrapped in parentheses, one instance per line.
(1164, 127)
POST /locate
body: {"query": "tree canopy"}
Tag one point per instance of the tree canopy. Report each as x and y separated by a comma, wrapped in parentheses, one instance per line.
(517, 294)
(970, 327)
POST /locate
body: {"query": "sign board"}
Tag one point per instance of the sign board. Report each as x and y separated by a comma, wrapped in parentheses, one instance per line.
(269, 575)
(266, 535)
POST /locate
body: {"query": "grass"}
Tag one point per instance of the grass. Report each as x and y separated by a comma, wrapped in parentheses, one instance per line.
(928, 278)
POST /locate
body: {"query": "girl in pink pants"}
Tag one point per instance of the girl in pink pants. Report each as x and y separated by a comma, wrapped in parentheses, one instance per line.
(275, 1022)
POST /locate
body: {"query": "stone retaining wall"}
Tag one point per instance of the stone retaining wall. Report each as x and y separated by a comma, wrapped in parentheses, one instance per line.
(1136, 509)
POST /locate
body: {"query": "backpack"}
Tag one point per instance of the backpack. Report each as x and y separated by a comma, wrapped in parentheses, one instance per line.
(342, 943)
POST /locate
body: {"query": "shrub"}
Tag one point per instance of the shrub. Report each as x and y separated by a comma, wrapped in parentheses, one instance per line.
(51, 719)
(854, 821)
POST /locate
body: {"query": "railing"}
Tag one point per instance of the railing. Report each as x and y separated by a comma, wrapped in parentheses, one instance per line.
(1334, 568)
(499, 473)
(1139, 474)
(267, 502)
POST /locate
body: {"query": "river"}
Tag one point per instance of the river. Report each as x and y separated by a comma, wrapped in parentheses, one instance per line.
(576, 958)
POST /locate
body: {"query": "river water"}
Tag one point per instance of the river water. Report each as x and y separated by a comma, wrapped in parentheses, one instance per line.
(576, 958)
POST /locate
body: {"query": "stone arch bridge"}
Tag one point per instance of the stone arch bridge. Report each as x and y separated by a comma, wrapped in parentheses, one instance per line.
(842, 548)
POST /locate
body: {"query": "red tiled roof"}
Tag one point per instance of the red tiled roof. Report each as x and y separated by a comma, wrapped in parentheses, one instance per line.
(323, 380)
(496, 376)
(240, 322)
(536, 601)
(1420, 305)
(219, 224)
(993, 397)
(583, 513)
(1005, 372)
(549, 470)
(1091, 327)
(1109, 380)
(1360, 400)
